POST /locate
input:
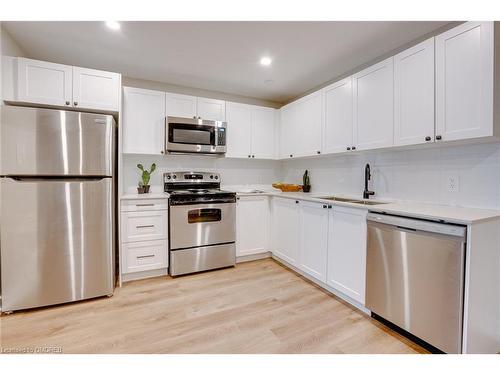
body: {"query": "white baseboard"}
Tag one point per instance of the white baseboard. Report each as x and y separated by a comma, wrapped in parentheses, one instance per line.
(144, 274)
(322, 285)
(250, 257)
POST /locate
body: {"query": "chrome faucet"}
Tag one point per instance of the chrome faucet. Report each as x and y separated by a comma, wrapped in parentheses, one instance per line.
(366, 192)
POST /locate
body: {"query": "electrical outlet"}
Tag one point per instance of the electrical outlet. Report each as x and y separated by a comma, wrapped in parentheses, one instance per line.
(453, 183)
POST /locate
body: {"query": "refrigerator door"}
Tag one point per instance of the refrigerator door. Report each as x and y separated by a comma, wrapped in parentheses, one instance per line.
(48, 142)
(56, 240)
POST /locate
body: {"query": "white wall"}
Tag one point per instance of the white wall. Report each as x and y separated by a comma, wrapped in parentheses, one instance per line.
(233, 171)
(419, 175)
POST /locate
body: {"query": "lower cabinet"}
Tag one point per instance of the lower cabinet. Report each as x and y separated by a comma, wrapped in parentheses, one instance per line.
(285, 229)
(347, 251)
(252, 225)
(143, 236)
(313, 248)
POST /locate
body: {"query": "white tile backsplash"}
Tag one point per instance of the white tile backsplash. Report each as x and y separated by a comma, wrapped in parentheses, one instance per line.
(233, 171)
(418, 175)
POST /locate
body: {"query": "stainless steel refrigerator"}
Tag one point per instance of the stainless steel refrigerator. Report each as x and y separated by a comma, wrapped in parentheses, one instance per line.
(57, 206)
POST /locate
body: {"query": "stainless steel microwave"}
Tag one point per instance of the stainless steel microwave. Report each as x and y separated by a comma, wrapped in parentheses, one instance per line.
(195, 135)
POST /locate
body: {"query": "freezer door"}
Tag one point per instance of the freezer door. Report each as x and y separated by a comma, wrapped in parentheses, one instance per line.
(414, 279)
(48, 142)
(56, 241)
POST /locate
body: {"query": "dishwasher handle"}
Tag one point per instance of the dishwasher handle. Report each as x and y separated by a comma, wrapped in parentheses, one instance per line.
(412, 224)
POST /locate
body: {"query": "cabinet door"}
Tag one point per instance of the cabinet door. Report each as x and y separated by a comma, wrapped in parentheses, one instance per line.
(144, 256)
(347, 252)
(464, 81)
(96, 89)
(373, 106)
(43, 82)
(211, 109)
(287, 126)
(263, 128)
(239, 120)
(179, 105)
(337, 133)
(285, 216)
(143, 121)
(313, 239)
(308, 125)
(252, 223)
(414, 94)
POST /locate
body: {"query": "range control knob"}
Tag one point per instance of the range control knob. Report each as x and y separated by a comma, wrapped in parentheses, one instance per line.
(211, 176)
(174, 176)
(169, 177)
(216, 177)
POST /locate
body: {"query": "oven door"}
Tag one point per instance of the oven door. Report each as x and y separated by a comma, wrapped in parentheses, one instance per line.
(202, 224)
(195, 136)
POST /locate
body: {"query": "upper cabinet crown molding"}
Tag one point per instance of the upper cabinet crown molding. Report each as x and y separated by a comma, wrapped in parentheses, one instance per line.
(45, 83)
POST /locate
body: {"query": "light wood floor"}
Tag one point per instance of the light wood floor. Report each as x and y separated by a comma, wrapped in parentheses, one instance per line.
(257, 307)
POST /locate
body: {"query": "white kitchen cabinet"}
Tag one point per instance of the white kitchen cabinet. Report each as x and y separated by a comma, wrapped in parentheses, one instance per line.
(46, 83)
(143, 121)
(179, 105)
(144, 256)
(347, 251)
(373, 106)
(287, 131)
(144, 225)
(211, 109)
(414, 94)
(239, 130)
(286, 226)
(464, 81)
(338, 125)
(313, 247)
(263, 131)
(252, 225)
(42, 82)
(96, 89)
(250, 131)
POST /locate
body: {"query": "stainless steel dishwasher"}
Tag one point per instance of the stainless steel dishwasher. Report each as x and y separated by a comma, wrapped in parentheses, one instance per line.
(415, 277)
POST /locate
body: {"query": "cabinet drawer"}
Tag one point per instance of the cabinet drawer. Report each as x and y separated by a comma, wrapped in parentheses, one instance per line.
(144, 226)
(144, 204)
(144, 256)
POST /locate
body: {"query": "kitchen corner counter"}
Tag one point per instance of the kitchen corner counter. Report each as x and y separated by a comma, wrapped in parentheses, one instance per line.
(451, 214)
(160, 195)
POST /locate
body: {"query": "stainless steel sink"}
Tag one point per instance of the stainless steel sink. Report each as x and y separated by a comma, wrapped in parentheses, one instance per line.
(352, 200)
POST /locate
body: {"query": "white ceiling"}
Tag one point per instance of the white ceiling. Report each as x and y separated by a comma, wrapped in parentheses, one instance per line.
(220, 56)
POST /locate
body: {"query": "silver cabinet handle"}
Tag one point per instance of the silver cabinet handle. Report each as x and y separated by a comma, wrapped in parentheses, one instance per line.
(144, 204)
(145, 256)
(144, 226)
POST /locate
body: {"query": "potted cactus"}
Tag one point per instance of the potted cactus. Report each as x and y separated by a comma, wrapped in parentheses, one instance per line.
(306, 184)
(143, 187)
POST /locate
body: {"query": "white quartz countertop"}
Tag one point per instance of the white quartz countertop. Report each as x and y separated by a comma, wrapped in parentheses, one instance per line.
(452, 214)
(159, 195)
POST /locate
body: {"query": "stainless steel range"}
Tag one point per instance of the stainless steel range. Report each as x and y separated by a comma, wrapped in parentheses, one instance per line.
(202, 222)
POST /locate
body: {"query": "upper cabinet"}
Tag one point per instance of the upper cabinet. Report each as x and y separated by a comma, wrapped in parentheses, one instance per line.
(143, 121)
(414, 95)
(464, 81)
(250, 131)
(42, 82)
(96, 89)
(302, 125)
(179, 105)
(373, 100)
(239, 130)
(338, 130)
(45, 83)
(211, 109)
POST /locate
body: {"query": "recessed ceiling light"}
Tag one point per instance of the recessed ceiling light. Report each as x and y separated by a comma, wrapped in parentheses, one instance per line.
(265, 61)
(113, 25)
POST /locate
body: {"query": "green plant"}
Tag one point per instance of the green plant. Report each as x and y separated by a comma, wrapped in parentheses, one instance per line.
(146, 175)
(305, 179)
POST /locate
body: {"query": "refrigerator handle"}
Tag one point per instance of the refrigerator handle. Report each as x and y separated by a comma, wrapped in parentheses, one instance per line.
(56, 178)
